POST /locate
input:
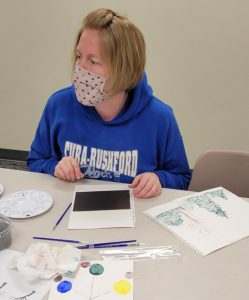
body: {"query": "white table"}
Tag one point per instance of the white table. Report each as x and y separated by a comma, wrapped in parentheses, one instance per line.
(221, 275)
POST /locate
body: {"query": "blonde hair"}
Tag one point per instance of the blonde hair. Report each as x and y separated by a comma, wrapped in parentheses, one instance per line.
(123, 47)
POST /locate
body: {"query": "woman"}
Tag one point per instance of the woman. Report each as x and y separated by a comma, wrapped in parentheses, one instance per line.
(108, 125)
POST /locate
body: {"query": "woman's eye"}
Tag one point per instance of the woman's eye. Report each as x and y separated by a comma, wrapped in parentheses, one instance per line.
(78, 55)
(93, 62)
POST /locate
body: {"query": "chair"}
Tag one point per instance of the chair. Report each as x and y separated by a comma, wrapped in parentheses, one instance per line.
(229, 169)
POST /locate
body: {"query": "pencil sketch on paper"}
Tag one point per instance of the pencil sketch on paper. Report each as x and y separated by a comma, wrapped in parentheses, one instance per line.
(22, 297)
(4, 292)
(2, 285)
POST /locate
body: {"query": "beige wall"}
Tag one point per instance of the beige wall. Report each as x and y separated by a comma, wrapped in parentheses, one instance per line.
(198, 62)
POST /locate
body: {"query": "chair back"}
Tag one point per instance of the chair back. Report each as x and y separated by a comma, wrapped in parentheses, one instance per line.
(229, 169)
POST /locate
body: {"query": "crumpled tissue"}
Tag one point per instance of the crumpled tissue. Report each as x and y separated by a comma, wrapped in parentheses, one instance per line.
(44, 261)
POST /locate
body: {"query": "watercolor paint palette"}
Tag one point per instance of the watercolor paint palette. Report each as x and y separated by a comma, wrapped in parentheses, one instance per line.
(25, 204)
(102, 280)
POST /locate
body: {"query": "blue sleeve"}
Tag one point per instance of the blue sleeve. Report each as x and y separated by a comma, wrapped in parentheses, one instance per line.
(173, 170)
(42, 157)
(175, 173)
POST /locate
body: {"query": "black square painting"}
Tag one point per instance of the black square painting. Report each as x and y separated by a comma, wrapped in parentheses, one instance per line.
(102, 200)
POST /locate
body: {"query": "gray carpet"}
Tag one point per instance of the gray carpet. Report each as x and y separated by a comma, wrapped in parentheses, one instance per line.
(13, 164)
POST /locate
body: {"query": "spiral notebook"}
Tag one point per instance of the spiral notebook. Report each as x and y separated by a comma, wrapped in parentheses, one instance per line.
(205, 221)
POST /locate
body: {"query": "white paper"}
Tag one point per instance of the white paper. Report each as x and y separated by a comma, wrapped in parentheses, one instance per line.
(12, 283)
(206, 221)
(102, 218)
(114, 283)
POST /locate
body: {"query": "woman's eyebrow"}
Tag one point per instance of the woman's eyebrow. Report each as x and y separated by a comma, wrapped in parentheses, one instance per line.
(92, 55)
(89, 55)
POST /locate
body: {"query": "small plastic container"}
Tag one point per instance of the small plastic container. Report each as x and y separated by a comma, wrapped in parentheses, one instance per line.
(5, 232)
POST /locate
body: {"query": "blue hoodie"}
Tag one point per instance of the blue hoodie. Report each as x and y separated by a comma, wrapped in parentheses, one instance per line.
(144, 137)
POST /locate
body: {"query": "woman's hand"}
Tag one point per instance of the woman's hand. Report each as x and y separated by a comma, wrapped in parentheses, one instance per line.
(146, 185)
(68, 169)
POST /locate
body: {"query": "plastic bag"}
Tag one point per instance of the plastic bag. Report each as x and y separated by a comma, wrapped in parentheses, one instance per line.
(140, 253)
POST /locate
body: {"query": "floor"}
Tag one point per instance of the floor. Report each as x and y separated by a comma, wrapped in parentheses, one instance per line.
(13, 164)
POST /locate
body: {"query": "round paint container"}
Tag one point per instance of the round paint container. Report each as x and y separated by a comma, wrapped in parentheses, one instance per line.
(5, 234)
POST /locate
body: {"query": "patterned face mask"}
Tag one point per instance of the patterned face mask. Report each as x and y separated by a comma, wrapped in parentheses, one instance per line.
(89, 87)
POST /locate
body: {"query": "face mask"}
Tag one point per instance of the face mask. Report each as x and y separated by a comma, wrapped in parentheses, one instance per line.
(89, 87)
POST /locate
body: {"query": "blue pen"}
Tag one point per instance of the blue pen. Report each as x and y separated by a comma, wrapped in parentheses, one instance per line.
(61, 217)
